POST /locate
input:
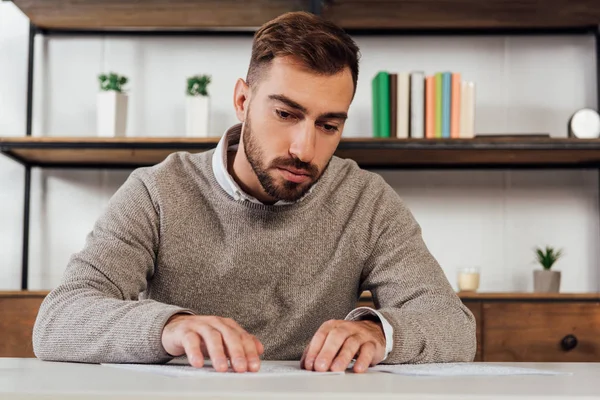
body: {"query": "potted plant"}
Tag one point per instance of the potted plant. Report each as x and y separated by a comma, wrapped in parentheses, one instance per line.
(111, 105)
(546, 280)
(197, 105)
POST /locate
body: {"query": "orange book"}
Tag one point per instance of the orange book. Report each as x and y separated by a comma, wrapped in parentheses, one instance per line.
(430, 107)
(455, 107)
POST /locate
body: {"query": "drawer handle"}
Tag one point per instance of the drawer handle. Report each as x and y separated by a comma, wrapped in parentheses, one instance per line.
(569, 342)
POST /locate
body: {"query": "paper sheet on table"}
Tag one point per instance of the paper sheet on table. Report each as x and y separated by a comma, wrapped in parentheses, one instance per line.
(461, 369)
(266, 370)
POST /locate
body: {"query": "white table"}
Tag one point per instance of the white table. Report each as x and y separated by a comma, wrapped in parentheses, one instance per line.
(34, 379)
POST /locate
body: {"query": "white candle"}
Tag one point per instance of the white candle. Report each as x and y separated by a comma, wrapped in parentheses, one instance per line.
(468, 279)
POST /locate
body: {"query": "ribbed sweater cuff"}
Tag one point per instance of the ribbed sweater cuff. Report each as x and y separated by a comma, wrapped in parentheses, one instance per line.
(408, 338)
(155, 334)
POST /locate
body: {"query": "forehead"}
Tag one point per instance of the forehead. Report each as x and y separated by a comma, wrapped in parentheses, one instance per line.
(317, 92)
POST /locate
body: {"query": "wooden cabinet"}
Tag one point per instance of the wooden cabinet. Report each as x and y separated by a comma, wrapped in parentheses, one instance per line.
(529, 327)
(17, 316)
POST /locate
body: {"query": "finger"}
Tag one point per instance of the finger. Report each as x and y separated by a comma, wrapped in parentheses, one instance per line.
(346, 353)
(259, 346)
(191, 343)
(334, 342)
(303, 358)
(233, 343)
(316, 343)
(250, 348)
(214, 346)
(365, 358)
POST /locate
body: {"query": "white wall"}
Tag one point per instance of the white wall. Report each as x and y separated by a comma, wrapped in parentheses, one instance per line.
(486, 218)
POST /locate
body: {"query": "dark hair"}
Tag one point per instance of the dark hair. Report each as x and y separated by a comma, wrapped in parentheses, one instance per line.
(320, 45)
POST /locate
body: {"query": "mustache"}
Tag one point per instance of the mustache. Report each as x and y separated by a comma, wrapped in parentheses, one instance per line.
(308, 168)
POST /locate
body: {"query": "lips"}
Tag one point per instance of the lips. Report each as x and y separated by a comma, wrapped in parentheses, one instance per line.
(294, 175)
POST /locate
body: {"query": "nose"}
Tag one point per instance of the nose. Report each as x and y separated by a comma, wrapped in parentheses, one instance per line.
(303, 143)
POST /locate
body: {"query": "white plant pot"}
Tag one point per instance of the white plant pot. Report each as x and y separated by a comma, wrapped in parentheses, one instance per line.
(197, 115)
(111, 114)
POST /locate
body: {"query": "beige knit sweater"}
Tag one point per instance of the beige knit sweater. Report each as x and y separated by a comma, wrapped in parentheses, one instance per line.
(171, 239)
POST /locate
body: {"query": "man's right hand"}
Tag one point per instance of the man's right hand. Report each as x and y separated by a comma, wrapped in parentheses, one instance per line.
(216, 337)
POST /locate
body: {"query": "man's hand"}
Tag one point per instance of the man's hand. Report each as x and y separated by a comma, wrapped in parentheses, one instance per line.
(219, 338)
(337, 342)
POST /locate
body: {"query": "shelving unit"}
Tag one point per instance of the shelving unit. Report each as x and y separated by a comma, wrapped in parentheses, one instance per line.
(358, 17)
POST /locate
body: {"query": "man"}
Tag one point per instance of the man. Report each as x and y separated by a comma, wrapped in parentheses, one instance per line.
(261, 247)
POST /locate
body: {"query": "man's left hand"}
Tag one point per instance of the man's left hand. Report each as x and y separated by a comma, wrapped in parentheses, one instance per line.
(337, 342)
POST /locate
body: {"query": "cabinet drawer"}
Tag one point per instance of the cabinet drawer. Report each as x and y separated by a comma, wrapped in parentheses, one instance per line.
(542, 332)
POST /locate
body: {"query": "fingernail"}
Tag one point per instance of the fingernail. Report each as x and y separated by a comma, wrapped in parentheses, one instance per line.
(254, 365)
(240, 363)
(308, 364)
(221, 364)
(321, 364)
(337, 366)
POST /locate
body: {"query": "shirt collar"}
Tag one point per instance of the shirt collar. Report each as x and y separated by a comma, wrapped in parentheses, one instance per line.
(229, 141)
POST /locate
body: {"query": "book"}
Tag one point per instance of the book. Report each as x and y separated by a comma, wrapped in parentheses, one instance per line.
(467, 120)
(393, 104)
(446, 96)
(375, 105)
(403, 104)
(438, 105)
(384, 104)
(417, 104)
(455, 107)
(430, 107)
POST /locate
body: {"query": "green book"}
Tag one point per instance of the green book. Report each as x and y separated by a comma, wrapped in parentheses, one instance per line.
(384, 104)
(438, 104)
(375, 104)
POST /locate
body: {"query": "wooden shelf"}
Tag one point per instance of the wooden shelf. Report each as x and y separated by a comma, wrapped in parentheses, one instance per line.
(492, 152)
(354, 15)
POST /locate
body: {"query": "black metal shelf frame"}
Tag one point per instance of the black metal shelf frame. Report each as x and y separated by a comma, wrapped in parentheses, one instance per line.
(315, 7)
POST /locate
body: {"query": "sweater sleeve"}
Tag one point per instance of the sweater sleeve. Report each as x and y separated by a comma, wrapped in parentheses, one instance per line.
(430, 322)
(96, 314)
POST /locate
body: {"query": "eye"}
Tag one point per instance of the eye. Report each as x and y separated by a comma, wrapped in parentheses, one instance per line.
(330, 128)
(284, 114)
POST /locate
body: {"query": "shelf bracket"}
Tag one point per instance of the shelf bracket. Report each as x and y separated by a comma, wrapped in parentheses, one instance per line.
(316, 7)
(28, 131)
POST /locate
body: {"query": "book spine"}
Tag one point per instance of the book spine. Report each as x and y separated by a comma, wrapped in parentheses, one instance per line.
(455, 107)
(467, 122)
(417, 105)
(438, 105)
(384, 104)
(375, 104)
(403, 104)
(393, 105)
(430, 107)
(446, 96)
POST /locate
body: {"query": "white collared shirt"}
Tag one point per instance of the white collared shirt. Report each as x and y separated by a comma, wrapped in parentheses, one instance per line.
(226, 181)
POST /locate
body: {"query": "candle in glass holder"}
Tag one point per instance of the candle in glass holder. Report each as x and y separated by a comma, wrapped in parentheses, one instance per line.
(468, 279)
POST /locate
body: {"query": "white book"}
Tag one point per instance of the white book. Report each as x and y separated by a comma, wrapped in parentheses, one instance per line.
(467, 110)
(403, 105)
(417, 105)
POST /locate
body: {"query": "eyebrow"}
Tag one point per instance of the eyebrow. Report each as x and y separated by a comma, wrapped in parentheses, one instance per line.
(291, 103)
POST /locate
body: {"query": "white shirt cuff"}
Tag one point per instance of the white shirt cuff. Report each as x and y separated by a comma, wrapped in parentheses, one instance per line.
(388, 331)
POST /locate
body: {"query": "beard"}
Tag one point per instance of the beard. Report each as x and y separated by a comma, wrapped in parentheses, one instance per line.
(278, 188)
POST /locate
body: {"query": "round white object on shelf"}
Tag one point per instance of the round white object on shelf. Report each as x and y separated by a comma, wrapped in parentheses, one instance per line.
(585, 124)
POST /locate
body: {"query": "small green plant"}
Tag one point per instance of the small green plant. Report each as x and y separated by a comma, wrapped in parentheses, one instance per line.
(197, 85)
(548, 257)
(112, 81)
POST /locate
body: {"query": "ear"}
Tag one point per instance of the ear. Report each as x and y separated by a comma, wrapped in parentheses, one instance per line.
(241, 95)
